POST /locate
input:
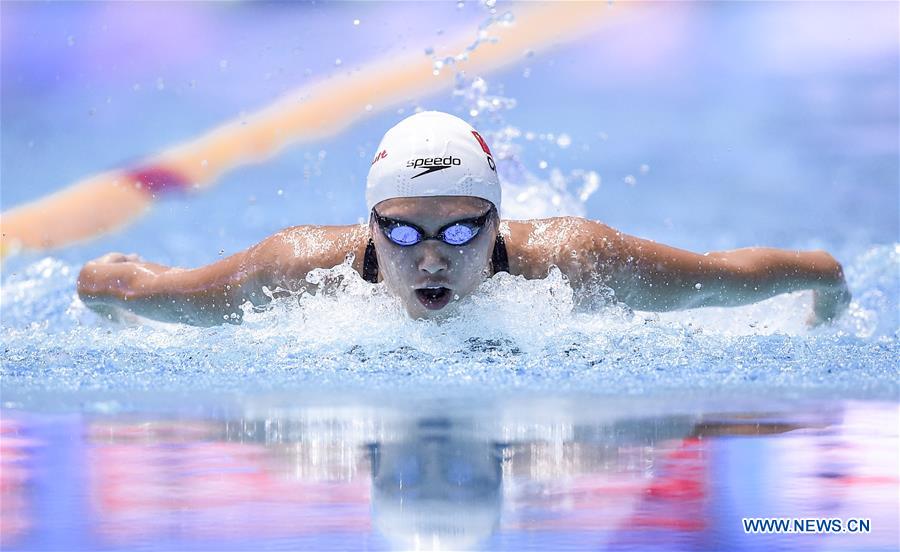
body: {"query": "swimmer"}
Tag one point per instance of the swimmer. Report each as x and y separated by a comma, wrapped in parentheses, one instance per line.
(434, 234)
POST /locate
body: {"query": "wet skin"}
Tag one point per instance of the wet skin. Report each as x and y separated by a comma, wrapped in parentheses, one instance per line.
(643, 274)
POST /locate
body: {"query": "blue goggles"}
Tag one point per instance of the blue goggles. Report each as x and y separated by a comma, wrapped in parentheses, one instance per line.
(456, 233)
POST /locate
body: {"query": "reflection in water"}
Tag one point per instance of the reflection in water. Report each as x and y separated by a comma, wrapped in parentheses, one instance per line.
(436, 486)
(548, 474)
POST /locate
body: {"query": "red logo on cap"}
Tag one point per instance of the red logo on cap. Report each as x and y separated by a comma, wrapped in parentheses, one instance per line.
(381, 155)
(481, 141)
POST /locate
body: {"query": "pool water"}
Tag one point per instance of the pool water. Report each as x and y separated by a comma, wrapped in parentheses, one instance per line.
(331, 421)
(295, 471)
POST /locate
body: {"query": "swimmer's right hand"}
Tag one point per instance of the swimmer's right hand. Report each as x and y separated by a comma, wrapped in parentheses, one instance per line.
(108, 279)
(110, 258)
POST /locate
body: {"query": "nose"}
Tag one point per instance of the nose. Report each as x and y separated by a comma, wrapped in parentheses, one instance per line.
(432, 261)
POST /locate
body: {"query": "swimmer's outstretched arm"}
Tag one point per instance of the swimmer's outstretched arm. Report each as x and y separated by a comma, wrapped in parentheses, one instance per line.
(212, 294)
(651, 276)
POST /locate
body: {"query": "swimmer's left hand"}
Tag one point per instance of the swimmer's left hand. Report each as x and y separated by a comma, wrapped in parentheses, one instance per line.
(829, 304)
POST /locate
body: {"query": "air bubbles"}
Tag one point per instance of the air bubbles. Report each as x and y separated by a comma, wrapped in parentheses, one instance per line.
(590, 184)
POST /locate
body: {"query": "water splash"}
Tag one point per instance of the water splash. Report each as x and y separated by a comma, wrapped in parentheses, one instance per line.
(511, 333)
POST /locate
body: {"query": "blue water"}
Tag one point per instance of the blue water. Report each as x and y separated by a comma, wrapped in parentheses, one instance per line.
(703, 126)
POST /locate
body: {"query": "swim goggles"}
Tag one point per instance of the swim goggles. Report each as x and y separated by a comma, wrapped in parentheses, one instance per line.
(404, 233)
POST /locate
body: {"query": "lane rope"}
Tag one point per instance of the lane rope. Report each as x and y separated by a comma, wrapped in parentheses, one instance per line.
(108, 201)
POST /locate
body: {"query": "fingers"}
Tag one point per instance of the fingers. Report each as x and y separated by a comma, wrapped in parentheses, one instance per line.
(828, 305)
(115, 257)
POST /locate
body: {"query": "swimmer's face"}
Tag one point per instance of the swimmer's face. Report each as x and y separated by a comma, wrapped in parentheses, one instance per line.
(431, 276)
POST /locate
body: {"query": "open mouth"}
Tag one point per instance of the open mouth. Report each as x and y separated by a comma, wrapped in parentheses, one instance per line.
(434, 298)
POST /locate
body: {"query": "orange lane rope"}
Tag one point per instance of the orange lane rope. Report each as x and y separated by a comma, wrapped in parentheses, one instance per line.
(108, 201)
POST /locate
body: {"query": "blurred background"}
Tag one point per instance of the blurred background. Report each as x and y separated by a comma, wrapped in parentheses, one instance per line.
(702, 125)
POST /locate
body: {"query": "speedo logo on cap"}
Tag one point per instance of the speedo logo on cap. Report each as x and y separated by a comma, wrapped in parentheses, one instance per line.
(432, 164)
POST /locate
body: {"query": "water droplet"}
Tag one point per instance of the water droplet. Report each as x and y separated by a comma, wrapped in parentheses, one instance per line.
(603, 136)
(630, 180)
(204, 163)
(563, 141)
(429, 51)
(645, 168)
(356, 22)
(338, 62)
(526, 72)
(70, 40)
(542, 164)
(490, 3)
(369, 107)
(280, 192)
(160, 83)
(698, 285)
(460, 5)
(223, 64)
(221, 252)
(473, 113)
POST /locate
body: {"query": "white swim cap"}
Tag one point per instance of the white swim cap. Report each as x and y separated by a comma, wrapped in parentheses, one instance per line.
(432, 154)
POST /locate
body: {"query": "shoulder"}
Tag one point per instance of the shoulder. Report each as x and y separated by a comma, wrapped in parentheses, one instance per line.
(538, 243)
(298, 249)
